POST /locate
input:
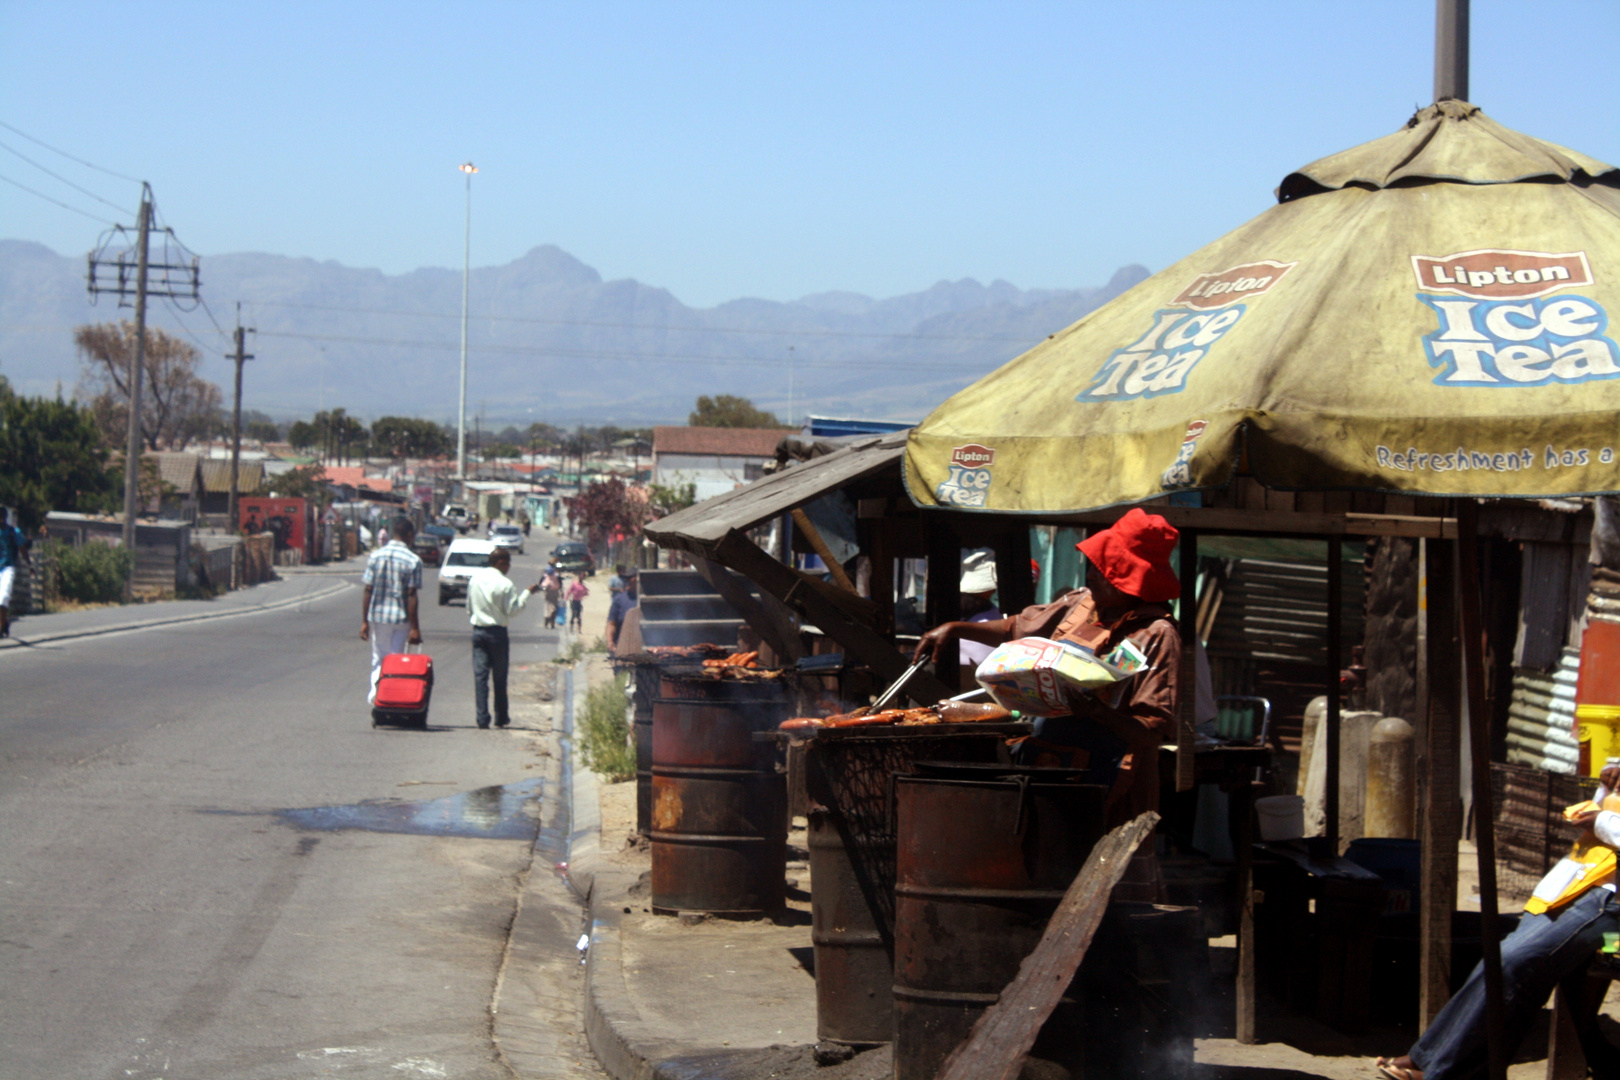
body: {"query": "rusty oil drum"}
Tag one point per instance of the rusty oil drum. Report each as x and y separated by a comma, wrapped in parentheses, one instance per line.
(851, 844)
(646, 683)
(719, 807)
(981, 866)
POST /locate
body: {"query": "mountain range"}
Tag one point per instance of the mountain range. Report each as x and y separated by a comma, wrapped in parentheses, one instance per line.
(548, 339)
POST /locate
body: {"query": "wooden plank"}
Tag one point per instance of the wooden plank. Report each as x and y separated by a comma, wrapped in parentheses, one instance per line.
(1271, 522)
(862, 643)
(1437, 769)
(1470, 628)
(1187, 672)
(801, 521)
(771, 622)
(1003, 1035)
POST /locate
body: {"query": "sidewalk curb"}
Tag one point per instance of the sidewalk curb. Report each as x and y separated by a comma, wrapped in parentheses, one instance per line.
(176, 620)
(616, 1032)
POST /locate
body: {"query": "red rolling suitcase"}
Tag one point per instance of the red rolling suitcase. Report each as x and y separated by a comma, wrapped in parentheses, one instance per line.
(404, 689)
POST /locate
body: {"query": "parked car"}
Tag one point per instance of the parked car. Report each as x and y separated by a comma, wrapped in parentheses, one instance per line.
(431, 542)
(507, 536)
(575, 558)
(461, 558)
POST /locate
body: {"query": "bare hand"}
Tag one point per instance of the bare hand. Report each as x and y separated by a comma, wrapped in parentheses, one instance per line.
(934, 642)
(365, 631)
(1585, 817)
(414, 637)
(1610, 777)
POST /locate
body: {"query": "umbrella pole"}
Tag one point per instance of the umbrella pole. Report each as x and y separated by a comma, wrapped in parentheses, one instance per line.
(1479, 739)
(1335, 604)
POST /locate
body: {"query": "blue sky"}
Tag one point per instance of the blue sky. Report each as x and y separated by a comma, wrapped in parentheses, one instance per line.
(758, 149)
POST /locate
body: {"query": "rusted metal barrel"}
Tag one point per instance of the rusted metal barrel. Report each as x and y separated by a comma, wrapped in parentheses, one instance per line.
(646, 683)
(981, 865)
(851, 842)
(719, 807)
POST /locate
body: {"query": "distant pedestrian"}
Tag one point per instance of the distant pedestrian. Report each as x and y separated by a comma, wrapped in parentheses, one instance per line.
(577, 592)
(616, 582)
(13, 551)
(492, 600)
(624, 601)
(393, 578)
(552, 586)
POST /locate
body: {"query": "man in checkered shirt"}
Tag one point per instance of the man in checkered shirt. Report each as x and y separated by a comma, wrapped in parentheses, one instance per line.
(388, 613)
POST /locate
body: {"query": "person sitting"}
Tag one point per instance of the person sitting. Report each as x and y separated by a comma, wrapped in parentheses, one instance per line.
(1560, 931)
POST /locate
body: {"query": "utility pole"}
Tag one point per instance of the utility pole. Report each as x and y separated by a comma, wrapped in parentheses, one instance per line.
(466, 271)
(132, 446)
(236, 422)
(111, 275)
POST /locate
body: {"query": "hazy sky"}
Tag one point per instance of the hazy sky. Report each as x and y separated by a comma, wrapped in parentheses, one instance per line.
(749, 149)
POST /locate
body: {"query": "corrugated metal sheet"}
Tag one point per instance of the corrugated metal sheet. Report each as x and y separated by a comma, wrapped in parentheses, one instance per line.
(1541, 716)
(1276, 610)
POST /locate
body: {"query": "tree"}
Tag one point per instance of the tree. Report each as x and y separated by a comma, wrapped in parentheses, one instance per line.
(50, 457)
(665, 499)
(728, 410)
(177, 405)
(406, 437)
(264, 431)
(609, 508)
(302, 435)
(304, 482)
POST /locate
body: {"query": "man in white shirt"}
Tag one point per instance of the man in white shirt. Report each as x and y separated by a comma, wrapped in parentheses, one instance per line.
(492, 600)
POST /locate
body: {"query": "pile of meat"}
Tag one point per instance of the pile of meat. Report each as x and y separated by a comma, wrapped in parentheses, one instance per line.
(946, 712)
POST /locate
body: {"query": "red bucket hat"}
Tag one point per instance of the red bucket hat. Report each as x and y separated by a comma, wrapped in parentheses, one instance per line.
(1134, 555)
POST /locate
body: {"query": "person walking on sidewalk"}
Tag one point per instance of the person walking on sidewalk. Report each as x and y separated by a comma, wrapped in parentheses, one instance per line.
(393, 578)
(577, 592)
(492, 600)
(13, 551)
(552, 585)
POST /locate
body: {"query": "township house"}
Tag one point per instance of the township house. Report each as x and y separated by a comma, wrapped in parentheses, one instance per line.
(716, 460)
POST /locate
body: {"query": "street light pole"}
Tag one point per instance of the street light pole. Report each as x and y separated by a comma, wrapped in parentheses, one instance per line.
(466, 268)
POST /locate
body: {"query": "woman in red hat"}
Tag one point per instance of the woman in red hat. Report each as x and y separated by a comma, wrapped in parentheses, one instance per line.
(1128, 582)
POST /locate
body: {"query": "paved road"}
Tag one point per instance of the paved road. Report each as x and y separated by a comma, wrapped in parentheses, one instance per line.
(168, 910)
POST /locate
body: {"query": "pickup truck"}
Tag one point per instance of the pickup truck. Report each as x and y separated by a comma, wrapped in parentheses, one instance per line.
(455, 515)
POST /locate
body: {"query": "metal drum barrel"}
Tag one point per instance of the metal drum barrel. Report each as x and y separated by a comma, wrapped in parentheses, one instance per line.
(646, 683)
(981, 865)
(851, 842)
(719, 807)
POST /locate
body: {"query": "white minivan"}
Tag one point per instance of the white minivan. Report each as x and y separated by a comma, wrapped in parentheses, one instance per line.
(461, 558)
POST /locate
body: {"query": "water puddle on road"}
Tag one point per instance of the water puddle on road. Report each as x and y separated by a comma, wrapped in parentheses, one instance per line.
(502, 812)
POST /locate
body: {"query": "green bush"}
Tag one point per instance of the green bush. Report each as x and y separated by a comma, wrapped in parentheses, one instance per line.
(93, 572)
(604, 732)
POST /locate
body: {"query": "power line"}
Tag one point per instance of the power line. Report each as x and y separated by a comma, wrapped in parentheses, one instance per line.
(63, 179)
(64, 153)
(703, 358)
(58, 202)
(174, 309)
(638, 326)
(211, 318)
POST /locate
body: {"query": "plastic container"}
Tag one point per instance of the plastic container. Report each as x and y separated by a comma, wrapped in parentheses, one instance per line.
(1281, 817)
(1597, 696)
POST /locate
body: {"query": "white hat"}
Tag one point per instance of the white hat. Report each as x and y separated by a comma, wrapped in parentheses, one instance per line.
(979, 573)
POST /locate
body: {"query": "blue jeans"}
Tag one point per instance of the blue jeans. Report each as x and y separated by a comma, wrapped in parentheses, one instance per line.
(1544, 951)
(492, 650)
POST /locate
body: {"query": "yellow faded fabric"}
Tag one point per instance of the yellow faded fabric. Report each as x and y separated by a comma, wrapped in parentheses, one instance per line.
(1426, 313)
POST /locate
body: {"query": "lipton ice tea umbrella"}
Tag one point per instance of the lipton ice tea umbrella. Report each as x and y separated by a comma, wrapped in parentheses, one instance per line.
(1425, 313)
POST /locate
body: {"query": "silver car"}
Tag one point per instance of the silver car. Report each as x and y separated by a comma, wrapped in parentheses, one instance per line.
(507, 536)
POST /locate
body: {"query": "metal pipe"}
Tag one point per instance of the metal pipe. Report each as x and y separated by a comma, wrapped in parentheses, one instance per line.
(1451, 50)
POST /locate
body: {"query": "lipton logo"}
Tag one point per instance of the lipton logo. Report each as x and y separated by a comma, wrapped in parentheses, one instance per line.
(972, 456)
(1500, 274)
(1250, 279)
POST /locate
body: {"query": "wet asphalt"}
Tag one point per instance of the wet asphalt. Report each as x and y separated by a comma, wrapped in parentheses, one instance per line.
(213, 866)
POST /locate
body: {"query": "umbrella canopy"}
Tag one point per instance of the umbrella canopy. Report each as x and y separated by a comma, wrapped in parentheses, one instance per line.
(1426, 313)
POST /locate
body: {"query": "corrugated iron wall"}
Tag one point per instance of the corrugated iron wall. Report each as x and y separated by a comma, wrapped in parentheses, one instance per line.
(1541, 716)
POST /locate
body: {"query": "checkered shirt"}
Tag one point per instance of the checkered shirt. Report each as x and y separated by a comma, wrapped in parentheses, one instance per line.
(392, 571)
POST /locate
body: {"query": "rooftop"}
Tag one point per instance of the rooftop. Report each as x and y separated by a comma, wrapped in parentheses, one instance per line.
(718, 441)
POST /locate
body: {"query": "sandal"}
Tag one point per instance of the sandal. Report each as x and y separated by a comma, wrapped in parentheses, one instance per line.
(1390, 1070)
